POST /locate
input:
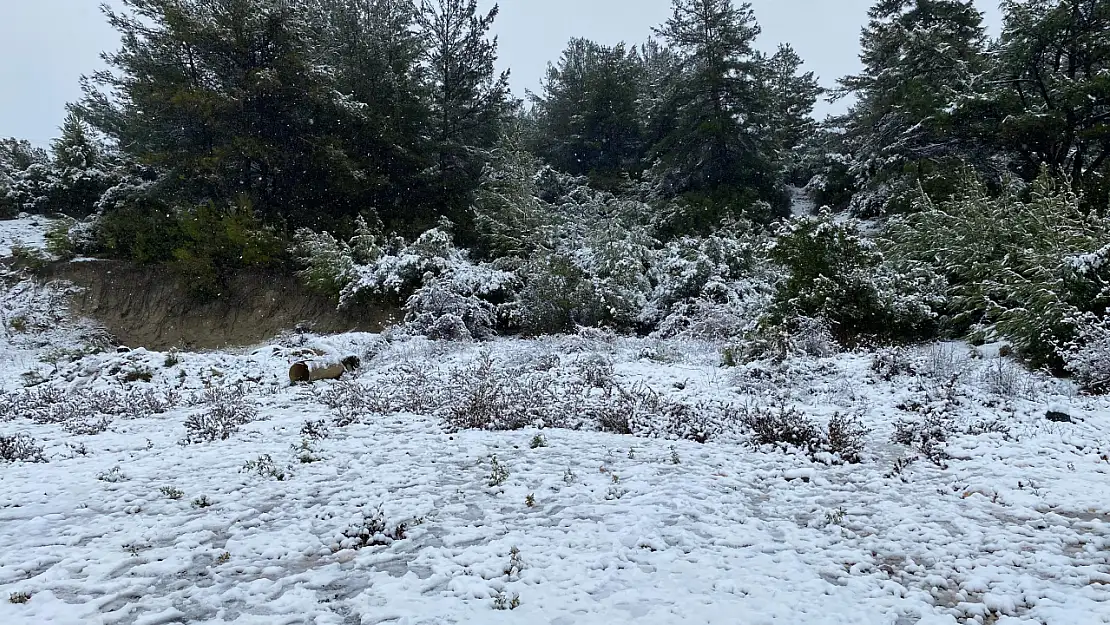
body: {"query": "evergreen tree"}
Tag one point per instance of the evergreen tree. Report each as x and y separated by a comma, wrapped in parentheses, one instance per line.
(232, 99)
(24, 173)
(82, 169)
(792, 95)
(377, 54)
(588, 111)
(719, 147)
(470, 100)
(920, 59)
(1051, 103)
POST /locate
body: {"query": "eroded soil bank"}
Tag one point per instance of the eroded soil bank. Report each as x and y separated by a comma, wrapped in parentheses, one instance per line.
(152, 307)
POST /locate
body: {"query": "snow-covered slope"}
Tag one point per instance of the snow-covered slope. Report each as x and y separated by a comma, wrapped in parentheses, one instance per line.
(294, 522)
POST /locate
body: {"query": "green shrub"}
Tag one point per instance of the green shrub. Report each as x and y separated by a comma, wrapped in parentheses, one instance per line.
(1023, 268)
(834, 273)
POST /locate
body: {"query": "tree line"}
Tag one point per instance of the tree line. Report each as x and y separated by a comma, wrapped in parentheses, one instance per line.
(224, 131)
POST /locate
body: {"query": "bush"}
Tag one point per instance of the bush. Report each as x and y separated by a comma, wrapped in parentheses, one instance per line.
(832, 272)
(1027, 269)
(786, 426)
(226, 409)
(1087, 357)
(20, 448)
(460, 303)
(217, 243)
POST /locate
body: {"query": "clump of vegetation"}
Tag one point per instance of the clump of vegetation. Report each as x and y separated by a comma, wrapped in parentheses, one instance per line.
(498, 473)
(225, 410)
(171, 492)
(264, 466)
(19, 597)
(786, 426)
(372, 530)
(20, 448)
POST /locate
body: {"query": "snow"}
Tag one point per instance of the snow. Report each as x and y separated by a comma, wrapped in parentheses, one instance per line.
(28, 230)
(131, 526)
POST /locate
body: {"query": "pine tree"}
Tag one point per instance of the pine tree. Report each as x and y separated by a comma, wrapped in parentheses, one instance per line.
(588, 117)
(792, 96)
(469, 98)
(920, 59)
(75, 148)
(718, 147)
(1051, 102)
(232, 99)
(24, 173)
(81, 169)
(377, 53)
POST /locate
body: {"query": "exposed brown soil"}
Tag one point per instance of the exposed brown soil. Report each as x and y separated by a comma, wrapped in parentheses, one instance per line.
(151, 307)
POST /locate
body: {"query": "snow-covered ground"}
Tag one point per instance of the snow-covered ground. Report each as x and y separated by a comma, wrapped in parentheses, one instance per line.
(294, 517)
(27, 230)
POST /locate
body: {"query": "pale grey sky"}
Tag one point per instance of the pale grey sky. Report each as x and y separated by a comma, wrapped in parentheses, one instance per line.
(45, 45)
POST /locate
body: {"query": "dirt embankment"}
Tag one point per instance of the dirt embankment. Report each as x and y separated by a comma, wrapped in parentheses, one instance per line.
(151, 307)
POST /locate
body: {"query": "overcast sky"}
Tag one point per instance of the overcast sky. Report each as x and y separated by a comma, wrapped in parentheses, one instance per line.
(46, 45)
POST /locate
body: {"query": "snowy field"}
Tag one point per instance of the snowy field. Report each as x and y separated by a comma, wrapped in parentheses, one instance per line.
(363, 502)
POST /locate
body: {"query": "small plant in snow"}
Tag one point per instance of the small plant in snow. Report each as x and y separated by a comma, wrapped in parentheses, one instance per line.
(530, 500)
(372, 530)
(927, 436)
(86, 427)
(516, 564)
(171, 492)
(781, 425)
(226, 410)
(891, 363)
(115, 474)
(846, 435)
(674, 459)
(615, 490)
(172, 360)
(20, 448)
(315, 430)
(136, 374)
(223, 558)
(78, 449)
(265, 467)
(502, 601)
(498, 474)
(835, 517)
(539, 440)
(596, 371)
(569, 477)
(202, 502)
(898, 469)
(19, 597)
(305, 452)
(1003, 377)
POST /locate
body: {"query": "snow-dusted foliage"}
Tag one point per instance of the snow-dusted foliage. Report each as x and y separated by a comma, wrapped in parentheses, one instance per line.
(834, 273)
(460, 303)
(709, 287)
(1024, 269)
(1087, 357)
(566, 255)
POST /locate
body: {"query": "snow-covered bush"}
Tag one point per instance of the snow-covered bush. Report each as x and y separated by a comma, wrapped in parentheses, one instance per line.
(781, 340)
(20, 448)
(833, 272)
(708, 287)
(1023, 269)
(1087, 357)
(225, 410)
(460, 303)
(788, 427)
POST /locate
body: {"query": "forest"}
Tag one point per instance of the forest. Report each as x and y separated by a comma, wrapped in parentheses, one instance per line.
(653, 188)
